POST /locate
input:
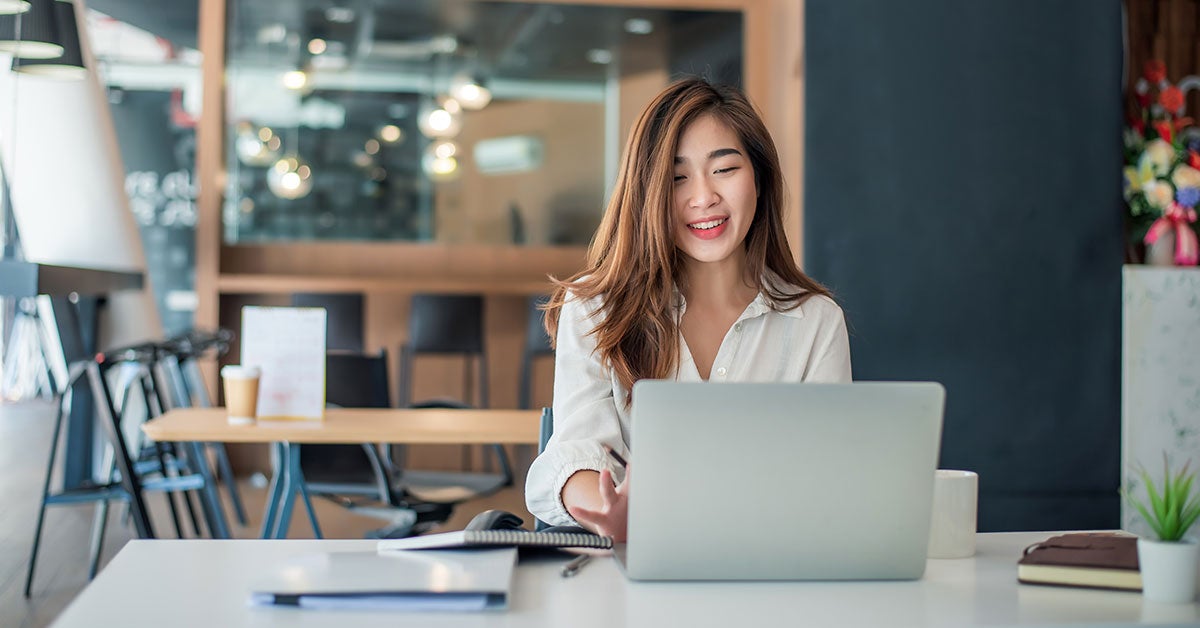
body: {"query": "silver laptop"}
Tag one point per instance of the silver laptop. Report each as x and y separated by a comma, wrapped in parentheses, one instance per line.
(781, 481)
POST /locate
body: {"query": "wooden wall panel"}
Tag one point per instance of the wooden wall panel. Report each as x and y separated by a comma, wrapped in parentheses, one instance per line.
(1168, 30)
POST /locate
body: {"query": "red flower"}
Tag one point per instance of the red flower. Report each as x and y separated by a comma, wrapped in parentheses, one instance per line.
(1165, 130)
(1171, 99)
(1143, 100)
(1194, 159)
(1156, 71)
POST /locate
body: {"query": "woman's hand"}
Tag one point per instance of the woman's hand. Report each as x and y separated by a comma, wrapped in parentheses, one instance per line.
(610, 516)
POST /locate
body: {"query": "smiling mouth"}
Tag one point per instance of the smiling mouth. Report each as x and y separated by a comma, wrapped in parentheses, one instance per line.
(708, 224)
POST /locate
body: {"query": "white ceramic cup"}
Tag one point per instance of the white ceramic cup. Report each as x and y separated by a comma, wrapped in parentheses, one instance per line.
(955, 501)
(241, 393)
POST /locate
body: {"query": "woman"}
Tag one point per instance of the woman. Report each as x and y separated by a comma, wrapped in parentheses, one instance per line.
(690, 277)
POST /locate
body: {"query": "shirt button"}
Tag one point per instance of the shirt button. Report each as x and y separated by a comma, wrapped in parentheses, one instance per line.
(737, 327)
(721, 371)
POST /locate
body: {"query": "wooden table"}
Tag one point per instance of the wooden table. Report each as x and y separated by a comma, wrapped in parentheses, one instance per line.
(426, 426)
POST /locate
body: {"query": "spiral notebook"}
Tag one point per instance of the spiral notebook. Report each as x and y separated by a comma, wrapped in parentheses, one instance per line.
(497, 538)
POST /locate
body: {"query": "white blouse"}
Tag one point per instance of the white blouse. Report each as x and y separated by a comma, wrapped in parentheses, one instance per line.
(806, 344)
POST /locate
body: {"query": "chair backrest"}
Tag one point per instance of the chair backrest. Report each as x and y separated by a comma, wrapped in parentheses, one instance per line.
(357, 380)
(343, 320)
(537, 343)
(544, 433)
(352, 380)
(444, 324)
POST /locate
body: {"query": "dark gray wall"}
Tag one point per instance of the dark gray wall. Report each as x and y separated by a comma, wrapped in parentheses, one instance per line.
(159, 158)
(962, 198)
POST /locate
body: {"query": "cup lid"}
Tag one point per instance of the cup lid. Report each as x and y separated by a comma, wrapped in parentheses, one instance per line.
(239, 371)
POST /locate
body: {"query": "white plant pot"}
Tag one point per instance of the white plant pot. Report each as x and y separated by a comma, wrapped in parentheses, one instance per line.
(1169, 570)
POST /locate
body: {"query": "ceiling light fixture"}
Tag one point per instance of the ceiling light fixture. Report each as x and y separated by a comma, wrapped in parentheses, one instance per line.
(290, 178)
(8, 7)
(599, 56)
(439, 161)
(68, 65)
(470, 92)
(295, 79)
(639, 26)
(391, 133)
(440, 122)
(317, 46)
(38, 36)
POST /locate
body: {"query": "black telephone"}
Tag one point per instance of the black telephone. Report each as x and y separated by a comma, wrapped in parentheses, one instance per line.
(504, 520)
(495, 520)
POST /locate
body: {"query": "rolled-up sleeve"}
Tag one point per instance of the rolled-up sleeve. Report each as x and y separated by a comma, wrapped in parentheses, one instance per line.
(585, 416)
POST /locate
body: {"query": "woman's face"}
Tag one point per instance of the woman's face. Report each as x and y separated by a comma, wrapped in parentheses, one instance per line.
(714, 192)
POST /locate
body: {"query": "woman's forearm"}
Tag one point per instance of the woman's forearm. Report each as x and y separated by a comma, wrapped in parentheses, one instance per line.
(582, 490)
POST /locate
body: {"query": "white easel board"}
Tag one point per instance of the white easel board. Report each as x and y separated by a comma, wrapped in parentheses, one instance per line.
(288, 344)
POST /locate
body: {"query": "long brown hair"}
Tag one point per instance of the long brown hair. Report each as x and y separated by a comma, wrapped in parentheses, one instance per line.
(633, 264)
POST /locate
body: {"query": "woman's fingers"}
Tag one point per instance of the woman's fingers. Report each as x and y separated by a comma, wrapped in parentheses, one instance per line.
(608, 492)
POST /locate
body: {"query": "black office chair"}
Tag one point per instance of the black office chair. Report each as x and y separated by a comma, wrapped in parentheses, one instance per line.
(545, 430)
(449, 324)
(343, 318)
(356, 476)
(537, 345)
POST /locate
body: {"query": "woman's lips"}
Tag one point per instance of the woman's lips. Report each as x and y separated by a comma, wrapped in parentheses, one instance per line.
(708, 229)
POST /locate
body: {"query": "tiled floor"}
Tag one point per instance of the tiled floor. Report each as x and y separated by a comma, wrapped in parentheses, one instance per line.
(25, 431)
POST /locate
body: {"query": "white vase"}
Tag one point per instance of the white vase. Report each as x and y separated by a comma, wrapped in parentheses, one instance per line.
(1162, 251)
(1169, 570)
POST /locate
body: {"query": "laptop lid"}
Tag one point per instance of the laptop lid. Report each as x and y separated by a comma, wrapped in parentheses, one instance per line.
(781, 481)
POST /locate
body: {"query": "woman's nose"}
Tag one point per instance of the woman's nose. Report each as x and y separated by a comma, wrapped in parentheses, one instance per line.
(702, 195)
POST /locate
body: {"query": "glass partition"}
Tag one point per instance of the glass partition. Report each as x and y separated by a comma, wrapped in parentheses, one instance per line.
(450, 122)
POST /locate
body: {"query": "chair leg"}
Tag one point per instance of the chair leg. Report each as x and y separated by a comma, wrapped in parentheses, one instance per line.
(129, 479)
(41, 519)
(226, 471)
(98, 528)
(161, 451)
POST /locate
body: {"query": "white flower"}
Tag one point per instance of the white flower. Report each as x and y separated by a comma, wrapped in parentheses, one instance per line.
(1159, 194)
(1186, 177)
(1160, 155)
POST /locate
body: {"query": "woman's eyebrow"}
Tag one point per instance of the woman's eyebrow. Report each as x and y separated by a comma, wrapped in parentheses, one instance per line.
(720, 152)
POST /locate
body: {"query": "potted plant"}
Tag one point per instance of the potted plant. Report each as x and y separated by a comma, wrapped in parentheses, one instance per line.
(1169, 563)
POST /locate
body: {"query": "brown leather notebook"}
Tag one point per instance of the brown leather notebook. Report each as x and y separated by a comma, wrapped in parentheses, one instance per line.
(1091, 559)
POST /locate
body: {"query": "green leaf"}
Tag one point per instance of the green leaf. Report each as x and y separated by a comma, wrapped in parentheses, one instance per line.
(1173, 506)
(1156, 502)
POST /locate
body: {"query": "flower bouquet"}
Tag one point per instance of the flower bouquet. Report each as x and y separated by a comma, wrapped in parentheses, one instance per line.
(1162, 174)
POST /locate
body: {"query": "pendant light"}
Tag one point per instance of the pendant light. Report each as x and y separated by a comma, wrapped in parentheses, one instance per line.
(38, 34)
(470, 92)
(13, 6)
(69, 65)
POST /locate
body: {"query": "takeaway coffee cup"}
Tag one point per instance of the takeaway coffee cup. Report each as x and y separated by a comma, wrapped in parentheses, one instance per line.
(241, 393)
(952, 528)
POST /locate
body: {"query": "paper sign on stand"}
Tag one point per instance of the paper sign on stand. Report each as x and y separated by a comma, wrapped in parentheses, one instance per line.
(288, 344)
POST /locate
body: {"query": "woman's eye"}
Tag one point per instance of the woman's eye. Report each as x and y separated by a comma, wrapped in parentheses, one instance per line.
(679, 178)
(724, 170)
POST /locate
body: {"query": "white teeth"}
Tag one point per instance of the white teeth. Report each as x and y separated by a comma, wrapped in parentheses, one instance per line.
(709, 224)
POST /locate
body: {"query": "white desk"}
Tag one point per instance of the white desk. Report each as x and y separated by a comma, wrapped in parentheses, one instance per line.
(205, 583)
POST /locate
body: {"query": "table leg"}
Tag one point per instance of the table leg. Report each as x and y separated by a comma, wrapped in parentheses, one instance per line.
(213, 513)
(283, 517)
(278, 473)
(297, 476)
